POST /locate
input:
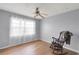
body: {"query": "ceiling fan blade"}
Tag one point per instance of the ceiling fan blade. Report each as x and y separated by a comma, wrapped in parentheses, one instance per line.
(44, 14)
(33, 12)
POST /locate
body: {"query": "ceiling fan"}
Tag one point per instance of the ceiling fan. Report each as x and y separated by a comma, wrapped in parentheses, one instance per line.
(38, 13)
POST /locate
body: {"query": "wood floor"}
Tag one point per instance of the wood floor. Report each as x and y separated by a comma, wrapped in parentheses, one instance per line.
(32, 48)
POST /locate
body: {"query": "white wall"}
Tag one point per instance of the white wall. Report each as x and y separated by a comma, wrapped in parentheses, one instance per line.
(5, 40)
(4, 29)
(55, 24)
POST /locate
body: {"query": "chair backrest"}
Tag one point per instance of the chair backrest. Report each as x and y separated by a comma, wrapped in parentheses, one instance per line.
(65, 36)
(62, 38)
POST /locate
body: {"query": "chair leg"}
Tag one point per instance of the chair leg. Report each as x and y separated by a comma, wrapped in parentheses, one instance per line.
(53, 50)
(57, 52)
(61, 50)
(51, 46)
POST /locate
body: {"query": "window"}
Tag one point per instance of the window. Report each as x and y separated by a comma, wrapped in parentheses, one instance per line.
(29, 27)
(21, 27)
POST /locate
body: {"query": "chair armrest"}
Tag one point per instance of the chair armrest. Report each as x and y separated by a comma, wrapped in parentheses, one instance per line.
(54, 39)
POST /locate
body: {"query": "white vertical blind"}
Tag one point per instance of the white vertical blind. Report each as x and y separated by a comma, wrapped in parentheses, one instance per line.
(20, 27)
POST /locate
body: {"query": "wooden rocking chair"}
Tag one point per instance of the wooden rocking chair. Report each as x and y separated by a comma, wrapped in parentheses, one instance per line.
(57, 44)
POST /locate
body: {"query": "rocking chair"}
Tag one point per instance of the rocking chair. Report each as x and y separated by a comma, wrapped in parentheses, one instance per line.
(57, 44)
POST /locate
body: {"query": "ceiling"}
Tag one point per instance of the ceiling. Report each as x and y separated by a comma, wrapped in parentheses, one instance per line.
(51, 9)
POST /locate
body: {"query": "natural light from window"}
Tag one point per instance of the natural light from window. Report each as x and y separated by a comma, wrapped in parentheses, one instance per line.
(21, 27)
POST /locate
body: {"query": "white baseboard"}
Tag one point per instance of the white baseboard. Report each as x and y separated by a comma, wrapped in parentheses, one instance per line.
(72, 49)
(17, 44)
(9, 46)
(46, 41)
(5, 47)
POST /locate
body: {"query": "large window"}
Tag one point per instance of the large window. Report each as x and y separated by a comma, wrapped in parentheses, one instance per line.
(21, 27)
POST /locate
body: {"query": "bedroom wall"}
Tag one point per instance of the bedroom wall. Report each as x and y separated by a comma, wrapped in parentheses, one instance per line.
(5, 40)
(53, 25)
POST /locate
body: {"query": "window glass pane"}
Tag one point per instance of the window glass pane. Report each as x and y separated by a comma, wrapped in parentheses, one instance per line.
(21, 23)
(14, 28)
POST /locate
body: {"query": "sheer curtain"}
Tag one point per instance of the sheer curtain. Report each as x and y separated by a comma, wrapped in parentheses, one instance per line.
(22, 27)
